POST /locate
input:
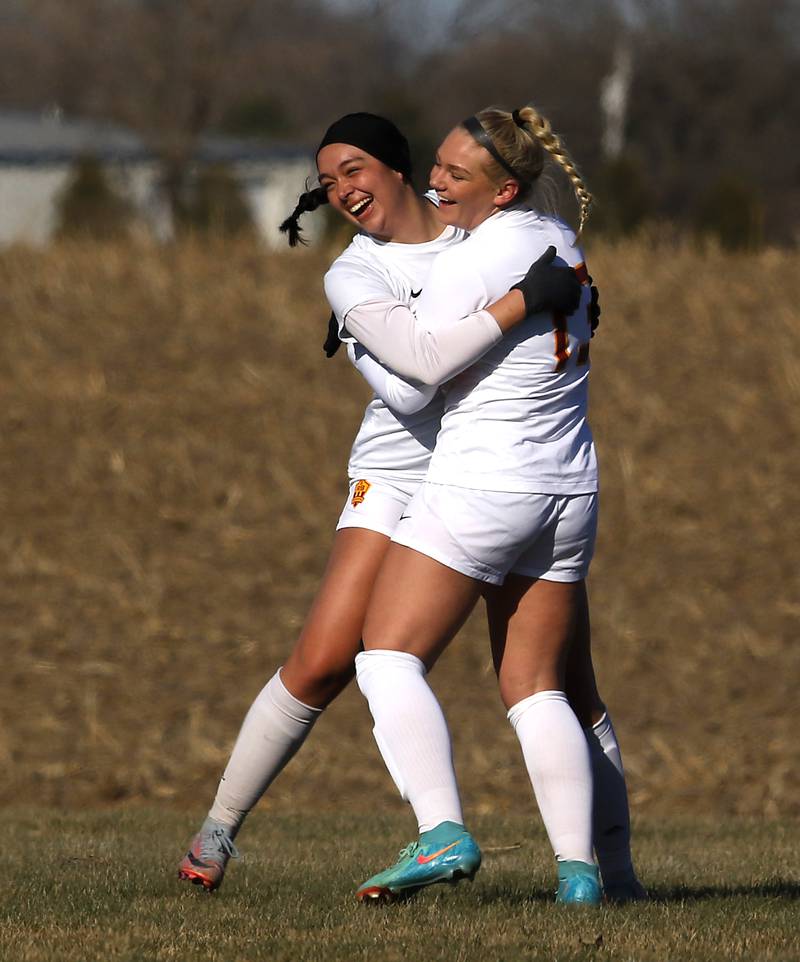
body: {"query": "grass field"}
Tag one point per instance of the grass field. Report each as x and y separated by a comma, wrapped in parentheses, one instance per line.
(173, 450)
(101, 886)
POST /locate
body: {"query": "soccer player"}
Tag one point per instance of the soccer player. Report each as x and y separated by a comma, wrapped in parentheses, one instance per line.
(510, 499)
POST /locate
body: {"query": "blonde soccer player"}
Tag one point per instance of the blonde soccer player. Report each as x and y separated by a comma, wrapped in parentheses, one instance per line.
(389, 260)
(509, 502)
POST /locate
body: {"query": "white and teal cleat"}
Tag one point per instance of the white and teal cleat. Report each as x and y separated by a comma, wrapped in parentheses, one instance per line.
(578, 884)
(447, 853)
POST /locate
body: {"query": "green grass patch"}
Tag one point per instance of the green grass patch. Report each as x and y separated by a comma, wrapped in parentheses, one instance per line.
(102, 885)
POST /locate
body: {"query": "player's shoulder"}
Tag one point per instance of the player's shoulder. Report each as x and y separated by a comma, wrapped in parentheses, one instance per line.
(357, 259)
(357, 252)
(553, 230)
(535, 230)
(356, 277)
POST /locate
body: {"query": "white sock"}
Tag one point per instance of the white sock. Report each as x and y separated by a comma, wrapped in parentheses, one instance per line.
(557, 759)
(612, 827)
(273, 729)
(411, 733)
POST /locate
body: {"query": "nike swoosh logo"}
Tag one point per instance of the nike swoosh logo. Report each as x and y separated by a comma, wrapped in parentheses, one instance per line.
(196, 861)
(416, 293)
(403, 517)
(422, 859)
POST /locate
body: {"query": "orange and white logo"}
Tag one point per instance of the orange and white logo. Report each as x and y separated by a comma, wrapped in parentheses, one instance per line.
(360, 489)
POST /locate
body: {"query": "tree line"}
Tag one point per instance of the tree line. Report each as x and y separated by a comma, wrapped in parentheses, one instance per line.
(682, 114)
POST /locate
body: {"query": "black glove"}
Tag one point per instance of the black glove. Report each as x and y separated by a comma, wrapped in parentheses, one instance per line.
(332, 342)
(550, 287)
(594, 307)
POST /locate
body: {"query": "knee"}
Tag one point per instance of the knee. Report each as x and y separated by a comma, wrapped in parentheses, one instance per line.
(316, 678)
(514, 688)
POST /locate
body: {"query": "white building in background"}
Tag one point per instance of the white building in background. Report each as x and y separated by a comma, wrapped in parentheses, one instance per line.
(38, 153)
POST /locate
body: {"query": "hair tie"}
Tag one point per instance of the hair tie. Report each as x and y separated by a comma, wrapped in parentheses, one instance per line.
(479, 133)
(516, 118)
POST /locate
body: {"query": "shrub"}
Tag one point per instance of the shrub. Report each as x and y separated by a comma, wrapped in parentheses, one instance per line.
(216, 203)
(89, 205)
(732, 212)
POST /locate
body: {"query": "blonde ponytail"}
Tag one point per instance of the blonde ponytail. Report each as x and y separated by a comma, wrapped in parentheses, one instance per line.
(522, 137)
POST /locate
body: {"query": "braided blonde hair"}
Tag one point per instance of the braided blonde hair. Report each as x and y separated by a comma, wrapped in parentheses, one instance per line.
(522, 144)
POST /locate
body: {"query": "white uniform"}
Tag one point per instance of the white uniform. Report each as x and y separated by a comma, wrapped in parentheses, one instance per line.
(514, 423)
(392, 449)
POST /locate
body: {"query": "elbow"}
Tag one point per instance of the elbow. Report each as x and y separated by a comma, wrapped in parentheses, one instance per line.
(433, 376)
(404, 399)
(407, 406)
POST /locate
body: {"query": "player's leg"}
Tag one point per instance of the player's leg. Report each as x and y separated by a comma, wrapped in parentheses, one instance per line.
(532, 620)
(318, 668)
(580, 681)
(531, 623)
(460, 540)
(611, 815)
(417, 607)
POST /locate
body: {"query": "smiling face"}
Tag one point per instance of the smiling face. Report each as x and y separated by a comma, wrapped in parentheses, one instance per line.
(466, 195)
(362, 189)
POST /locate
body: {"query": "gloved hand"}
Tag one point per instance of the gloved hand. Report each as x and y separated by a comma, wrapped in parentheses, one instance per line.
(594, 307)
(332, 342)
(550, 287)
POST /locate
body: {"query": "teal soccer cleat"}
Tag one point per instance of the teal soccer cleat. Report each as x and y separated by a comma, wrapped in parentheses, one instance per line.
(578, 884)
(445, 854)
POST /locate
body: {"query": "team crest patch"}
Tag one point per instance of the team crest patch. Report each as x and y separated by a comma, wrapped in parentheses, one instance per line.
(360, 492)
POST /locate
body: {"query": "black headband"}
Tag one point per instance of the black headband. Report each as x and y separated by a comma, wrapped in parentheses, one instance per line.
(376, 135)
(474, 127)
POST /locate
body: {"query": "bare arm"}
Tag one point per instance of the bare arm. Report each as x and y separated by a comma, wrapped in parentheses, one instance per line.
(508, 311)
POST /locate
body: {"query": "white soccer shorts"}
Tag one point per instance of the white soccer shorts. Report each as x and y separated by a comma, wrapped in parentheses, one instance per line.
(376, 504)
(489, 534)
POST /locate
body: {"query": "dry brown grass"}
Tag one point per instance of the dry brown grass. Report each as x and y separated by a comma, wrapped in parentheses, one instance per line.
(173, 455)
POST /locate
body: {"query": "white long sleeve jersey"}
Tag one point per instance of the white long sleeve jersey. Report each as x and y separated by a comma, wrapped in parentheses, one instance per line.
(400, 424)
(516, 419)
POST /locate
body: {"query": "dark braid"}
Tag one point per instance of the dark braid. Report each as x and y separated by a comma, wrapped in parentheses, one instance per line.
(307, 202)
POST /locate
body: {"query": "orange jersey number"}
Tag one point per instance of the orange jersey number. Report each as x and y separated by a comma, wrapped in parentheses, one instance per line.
(561, 333)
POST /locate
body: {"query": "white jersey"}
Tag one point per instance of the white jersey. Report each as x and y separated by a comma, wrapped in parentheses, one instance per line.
(391, 442)
(515, 420)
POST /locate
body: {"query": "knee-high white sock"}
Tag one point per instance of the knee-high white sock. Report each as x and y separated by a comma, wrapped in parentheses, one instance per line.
(273, 729)
(411, 733)
(557, 759)
(611, 816)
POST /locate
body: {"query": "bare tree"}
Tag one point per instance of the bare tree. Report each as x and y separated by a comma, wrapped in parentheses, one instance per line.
(717, 96)
(713, 86)
(172, 70)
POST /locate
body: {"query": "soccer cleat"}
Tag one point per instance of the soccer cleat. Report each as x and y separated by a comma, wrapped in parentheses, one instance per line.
(204, 864)
(578, 884)
(447, 853)
(621, 891)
